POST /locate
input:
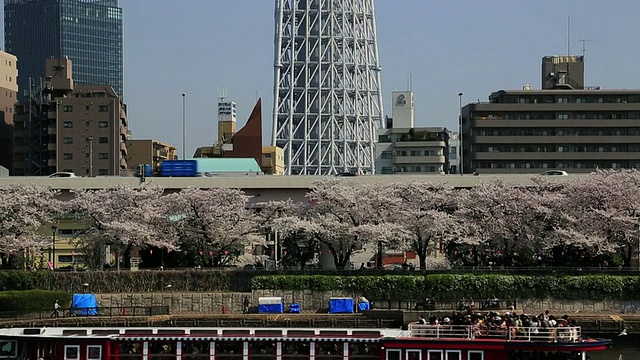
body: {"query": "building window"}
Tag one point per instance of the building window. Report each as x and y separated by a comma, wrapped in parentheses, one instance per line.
(94, 352)
(8, 349)
(416, 152)
(103, 171)
(67, 140)
(103, 108)
(103, 156)
(563, 116)
(67, 156)
(103, 124)
(67, 108)
(387, 170)
(453, 152)
(71, 352)
(103, 140)
(386, 155)
(563, 100)
(67, 124)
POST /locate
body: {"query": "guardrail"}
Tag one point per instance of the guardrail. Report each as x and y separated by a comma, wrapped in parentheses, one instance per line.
(118, 311)
(470, 332)
(424, 305)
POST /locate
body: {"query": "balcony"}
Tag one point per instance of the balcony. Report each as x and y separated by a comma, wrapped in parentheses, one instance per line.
(554, 123)
(420, 144)
(435, 159)
(594, 156)
(123, 163)
(574, 139)
(568, 107)
(123, 149)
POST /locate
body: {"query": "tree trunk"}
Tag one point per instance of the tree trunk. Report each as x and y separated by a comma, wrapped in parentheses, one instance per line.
(127, 257)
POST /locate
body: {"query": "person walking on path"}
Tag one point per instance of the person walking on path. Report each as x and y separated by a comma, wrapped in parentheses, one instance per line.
(56, 309)
(245, 307)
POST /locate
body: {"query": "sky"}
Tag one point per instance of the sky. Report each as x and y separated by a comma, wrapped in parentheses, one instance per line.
(200, 47)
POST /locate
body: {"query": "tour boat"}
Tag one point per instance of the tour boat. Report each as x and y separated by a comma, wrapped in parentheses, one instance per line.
(418, 342)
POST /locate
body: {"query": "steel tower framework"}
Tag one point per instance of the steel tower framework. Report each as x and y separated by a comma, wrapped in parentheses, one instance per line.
(327, 91)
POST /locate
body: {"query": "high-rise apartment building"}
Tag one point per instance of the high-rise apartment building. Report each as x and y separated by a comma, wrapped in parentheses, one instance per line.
(8, 92)
(565, 126)
(89, 32)
(69, 127)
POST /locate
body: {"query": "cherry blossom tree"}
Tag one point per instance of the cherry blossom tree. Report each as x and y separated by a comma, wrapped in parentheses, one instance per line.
(603, 213)
(503, 220)
(24, 211)
(425, 214)
(121, 217)
(213, 226)
(343, 217)
(285, 221)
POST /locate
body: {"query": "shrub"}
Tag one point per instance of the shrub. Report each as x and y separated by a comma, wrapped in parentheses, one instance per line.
(454, 286)
(33, 300)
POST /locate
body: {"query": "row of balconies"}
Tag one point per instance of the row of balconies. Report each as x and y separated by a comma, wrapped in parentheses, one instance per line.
(554, 156)
(591, 139)
(557, 123)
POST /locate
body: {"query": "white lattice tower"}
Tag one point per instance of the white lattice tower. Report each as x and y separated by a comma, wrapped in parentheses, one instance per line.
(327, 92)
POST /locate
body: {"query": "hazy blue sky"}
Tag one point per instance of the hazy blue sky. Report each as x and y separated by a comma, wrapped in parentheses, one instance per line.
(450, 46)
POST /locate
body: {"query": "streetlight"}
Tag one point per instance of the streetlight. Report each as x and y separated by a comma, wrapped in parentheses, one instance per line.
(184, 126)
(54, 230)
(460, 133)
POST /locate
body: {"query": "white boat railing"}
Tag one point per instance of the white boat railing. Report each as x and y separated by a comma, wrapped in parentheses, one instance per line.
(480, 331)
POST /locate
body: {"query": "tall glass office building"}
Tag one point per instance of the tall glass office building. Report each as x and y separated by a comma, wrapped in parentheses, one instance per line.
(89, 32)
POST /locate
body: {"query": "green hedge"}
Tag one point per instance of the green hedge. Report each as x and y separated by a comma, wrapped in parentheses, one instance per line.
(126, 281)
(33, 300)
(455, 287)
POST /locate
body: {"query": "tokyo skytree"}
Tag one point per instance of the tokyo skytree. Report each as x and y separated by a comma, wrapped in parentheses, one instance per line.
(327, 93)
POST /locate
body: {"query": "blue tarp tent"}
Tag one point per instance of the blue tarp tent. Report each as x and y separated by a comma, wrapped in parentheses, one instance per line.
(84, 304)
(339, 305)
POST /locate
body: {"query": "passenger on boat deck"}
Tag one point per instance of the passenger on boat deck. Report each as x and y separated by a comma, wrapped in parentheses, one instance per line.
(421, 320)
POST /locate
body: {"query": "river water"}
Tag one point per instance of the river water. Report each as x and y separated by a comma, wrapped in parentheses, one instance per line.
(627, 346)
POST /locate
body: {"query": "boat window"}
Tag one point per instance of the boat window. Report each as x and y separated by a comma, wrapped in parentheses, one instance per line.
(229, 350)
(162, 349)
(394, 354)
(195, 349)
(329, 350)
(72, 352)
(414, 355)
(131, 350)
(435, 355)
(94, 352)
(293, 350)
(262, 350)
(8, 349)
(362, 351)
(454, 355)
(475, 355)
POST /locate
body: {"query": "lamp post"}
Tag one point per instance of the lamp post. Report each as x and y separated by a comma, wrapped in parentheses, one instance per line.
(460, 133)
(184, 126)
(54, 230)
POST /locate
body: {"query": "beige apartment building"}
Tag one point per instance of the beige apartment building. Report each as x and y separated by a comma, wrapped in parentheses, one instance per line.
(8, 94)
(565, 126)
(404, 148)
(272, 160)
(70, 127)
(151, 152)
(422, 150)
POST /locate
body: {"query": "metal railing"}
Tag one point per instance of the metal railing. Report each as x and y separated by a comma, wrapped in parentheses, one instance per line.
(114, 311)
(480, 331)
(423, 305)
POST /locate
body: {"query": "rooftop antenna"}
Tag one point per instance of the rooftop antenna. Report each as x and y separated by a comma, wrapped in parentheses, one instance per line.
(411, 82)
(223, 94)
(569, 36)
(584, 45)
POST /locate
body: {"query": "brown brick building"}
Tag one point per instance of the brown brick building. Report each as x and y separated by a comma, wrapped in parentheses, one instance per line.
(69, 127)
(8, 93)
